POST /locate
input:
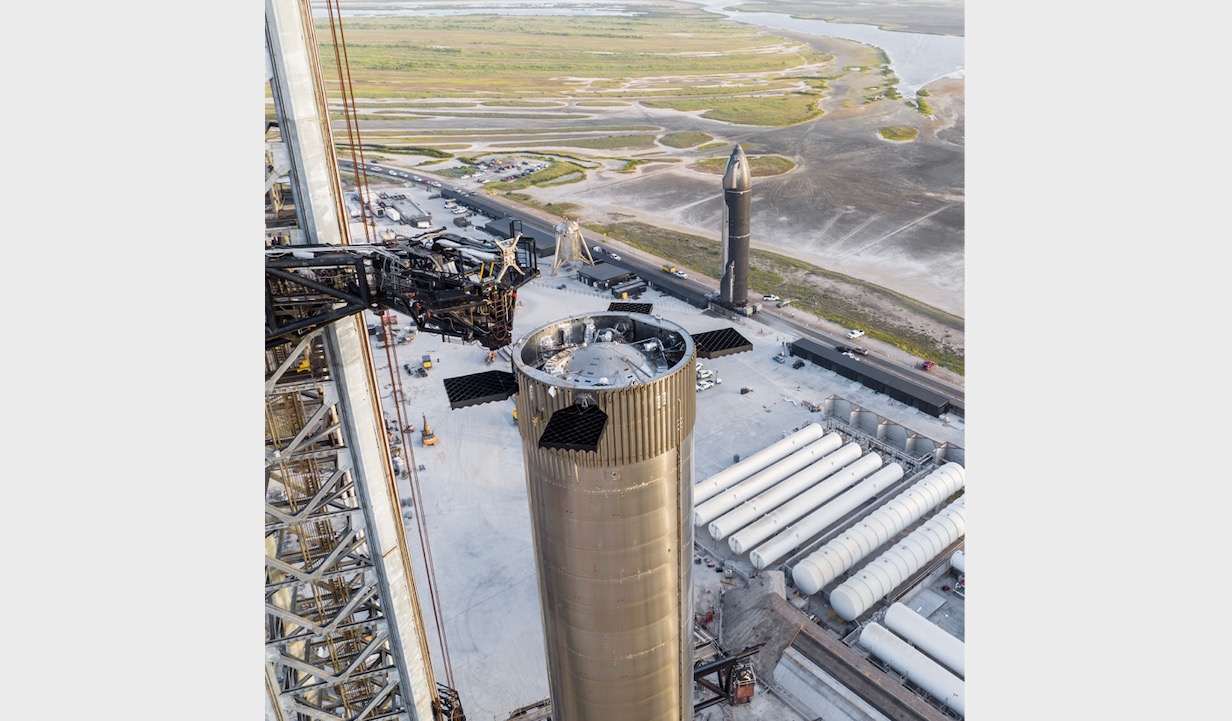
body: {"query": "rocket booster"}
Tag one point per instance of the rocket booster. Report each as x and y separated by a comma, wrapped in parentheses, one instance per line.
(737, 185)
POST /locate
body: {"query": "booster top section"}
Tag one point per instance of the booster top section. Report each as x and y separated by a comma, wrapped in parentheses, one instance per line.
(737, 175)
(604, 350)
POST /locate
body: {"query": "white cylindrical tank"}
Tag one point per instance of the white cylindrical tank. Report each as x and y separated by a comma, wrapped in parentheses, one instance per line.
(818, 516)
(959, 562)
(785, 539)
(760, 460)
(918, 668)
(835, 557)
(791, 487)
(928, 637)
(884, 573)
(744, 490)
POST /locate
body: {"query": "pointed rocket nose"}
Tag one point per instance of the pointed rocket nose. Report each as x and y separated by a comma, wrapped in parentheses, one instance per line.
(737, 176)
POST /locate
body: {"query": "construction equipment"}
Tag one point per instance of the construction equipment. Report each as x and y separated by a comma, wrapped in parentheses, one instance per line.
(447, 289)
(426, 361)
(428, 437)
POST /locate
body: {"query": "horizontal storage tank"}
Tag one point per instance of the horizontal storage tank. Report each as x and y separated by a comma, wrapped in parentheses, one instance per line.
(928, 637)
(875, 530)
(785, 539)
(889, 570)
(790, 488)
(744, 490)
(918, 668)
(959, 562)
(760, 460)
(818, 517)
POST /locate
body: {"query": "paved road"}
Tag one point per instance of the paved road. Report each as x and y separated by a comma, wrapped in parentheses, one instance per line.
(773, 317)
(652, 272)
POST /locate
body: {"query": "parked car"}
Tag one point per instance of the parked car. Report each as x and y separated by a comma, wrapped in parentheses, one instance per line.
(780, 358)
(704, 385)
(843, 348)
(927, 365)
(614, 256)
(704, 374)
(770, 297)
(436, 184)
(854, 333)
(798, 364)
(860, 351)
(681, 274)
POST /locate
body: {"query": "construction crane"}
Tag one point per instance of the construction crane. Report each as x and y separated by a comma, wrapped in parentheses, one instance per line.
(446, 288)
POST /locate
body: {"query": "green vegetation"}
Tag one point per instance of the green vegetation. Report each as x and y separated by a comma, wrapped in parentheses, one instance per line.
(804, 283)
(632, 163)
(606, 142)
(921, 105)
(521, 116)
(602, 103)
(901, 133)
(685, 139)
(478, 55)
(482, 133)
(712, 146)
(522, 103)
(671, 91)
(556, 169)
(398, 149)
(760, 110)
(564, 180)
(759, 166)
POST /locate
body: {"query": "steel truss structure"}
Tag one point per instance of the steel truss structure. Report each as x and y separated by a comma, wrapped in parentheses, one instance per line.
(328, 642)
(344, 638)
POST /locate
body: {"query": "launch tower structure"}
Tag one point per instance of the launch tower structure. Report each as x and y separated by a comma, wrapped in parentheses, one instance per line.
(344, 636)
(606, 405)
(570, 245)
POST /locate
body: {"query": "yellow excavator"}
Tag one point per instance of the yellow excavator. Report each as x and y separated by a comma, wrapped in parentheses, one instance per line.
(429, 438)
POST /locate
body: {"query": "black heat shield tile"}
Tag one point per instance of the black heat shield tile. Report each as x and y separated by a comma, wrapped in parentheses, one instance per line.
(476, 388)
(574, 429)
(718, 343)
(620, 307)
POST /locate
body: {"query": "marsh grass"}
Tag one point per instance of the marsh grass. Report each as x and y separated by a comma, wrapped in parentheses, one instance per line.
(760, 110)
(759, 165)
(685, 139)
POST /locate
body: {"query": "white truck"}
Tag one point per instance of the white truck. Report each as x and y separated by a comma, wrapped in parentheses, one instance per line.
(393, 215)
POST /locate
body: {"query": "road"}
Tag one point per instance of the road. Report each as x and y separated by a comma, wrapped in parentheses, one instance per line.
(650, 270)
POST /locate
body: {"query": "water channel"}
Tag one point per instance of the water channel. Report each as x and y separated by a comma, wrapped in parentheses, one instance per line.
(917, 58)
